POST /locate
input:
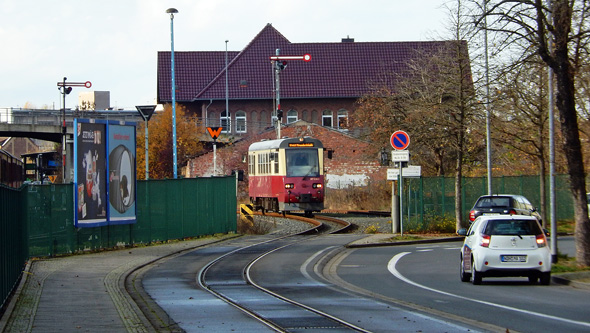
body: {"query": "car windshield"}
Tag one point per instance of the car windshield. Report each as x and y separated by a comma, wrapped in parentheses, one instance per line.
(512, 227)
(302, 163)
(490, 202)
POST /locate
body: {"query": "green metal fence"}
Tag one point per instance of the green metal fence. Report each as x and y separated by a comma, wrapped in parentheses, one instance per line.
(166, 209)
(428, 197)
(13, 240)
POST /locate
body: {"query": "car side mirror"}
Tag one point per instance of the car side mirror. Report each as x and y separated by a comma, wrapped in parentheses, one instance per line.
(547, 233)
(462, 232)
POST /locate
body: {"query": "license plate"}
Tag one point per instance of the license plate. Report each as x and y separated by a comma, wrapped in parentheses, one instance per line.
(511, 258)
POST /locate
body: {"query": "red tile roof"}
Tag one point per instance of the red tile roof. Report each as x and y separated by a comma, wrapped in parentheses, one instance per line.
(336, 70)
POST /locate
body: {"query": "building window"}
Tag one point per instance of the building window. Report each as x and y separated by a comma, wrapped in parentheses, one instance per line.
(240, 122)
(262, 120)
(291, 116)
(225, 121)
(342, 119)
(327, 118)
(211, 119)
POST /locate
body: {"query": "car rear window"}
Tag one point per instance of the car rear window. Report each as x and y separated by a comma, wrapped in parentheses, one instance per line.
(493, 202)
(512, 227)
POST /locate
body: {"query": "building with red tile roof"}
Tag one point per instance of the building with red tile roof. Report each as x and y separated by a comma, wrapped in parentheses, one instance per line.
(322, 91)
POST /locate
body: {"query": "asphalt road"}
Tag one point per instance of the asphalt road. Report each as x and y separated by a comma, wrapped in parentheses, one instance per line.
(428, 276)
(381, 289)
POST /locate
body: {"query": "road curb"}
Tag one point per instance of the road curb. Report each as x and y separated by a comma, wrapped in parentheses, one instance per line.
(368, 243)
(569, 279)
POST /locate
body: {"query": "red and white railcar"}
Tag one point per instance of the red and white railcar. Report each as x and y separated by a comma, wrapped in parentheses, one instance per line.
(287, 175)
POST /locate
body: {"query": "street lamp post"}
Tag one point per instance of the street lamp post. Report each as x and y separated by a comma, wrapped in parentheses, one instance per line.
(226, 89)
(173, 11)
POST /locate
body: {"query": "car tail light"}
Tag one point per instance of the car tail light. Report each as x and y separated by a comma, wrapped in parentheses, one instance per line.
(317, 185)
(485, 240)
(541, 241)
(288, 186)
(472, 216)
(512, 212)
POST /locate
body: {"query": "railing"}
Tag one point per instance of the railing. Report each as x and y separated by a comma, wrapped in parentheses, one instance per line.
(54, 117)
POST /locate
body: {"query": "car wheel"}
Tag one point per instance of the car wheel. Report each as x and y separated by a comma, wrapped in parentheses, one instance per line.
(545, 278)
(475, 275)
(533, 278)
(465, 277)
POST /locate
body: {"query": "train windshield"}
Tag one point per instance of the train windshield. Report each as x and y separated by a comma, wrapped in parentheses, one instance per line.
(302, 163)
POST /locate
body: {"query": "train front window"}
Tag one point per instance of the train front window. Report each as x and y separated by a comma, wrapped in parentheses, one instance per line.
(302, 163)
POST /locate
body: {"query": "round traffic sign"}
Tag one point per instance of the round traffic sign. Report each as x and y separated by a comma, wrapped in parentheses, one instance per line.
(400, 140)
(307, 57)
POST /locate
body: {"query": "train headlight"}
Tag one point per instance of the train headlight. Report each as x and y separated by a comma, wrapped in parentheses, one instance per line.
(288, 186)
(317, 185)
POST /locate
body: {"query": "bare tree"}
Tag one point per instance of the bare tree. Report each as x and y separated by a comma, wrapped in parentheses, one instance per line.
(559, 34)
(521, 117)
(434, 101)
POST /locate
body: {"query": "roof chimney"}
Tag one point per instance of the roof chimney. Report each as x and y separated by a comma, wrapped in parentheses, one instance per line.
(347, 39)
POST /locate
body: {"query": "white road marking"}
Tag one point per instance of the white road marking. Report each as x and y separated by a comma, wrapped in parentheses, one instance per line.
(303, 268)
(393, 262)
(425, 250)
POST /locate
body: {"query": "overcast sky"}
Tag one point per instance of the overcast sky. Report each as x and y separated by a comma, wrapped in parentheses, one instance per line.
(114, 43)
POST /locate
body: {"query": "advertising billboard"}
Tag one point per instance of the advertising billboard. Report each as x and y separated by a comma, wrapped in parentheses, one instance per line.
(90, 171)
(121, 174)
(104, 173)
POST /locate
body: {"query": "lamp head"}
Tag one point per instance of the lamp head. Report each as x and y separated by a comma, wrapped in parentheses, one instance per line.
(171, 11)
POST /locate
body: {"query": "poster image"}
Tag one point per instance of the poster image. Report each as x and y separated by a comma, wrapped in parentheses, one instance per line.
(90, 171)
(122, 180)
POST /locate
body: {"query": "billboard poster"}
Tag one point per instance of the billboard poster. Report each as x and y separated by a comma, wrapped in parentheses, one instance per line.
(89, 174)
(121, 171)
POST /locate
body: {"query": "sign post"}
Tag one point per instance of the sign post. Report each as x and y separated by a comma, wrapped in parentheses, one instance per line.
(399, 140)
(214, 132)
(146, 112)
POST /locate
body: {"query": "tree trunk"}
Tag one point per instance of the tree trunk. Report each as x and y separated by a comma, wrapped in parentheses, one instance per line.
(565, 102)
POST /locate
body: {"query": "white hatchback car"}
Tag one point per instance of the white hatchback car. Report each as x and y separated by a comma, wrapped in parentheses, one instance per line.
(501, 245)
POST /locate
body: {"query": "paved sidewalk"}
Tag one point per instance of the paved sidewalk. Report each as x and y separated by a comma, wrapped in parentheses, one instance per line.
(85, 293)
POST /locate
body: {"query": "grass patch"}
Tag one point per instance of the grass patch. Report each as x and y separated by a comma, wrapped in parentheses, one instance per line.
(566, 227)
(253, 226)
(565, 264)
(404, 238)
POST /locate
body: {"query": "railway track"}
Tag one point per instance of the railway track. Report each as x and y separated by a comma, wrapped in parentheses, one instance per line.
(228, 277)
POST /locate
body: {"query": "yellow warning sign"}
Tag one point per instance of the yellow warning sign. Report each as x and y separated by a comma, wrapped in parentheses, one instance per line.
(246, 211)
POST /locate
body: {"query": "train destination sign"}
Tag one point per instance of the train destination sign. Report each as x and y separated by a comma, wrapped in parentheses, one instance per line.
(301, 145)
